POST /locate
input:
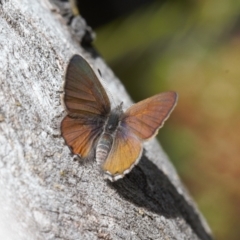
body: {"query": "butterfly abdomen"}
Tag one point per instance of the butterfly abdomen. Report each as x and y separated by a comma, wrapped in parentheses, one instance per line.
(103, 148)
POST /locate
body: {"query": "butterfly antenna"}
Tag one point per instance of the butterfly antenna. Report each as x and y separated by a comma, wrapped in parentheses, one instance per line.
(99, 72)
(121, 105)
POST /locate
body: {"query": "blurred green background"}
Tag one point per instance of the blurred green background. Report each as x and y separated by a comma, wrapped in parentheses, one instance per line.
(193, 48)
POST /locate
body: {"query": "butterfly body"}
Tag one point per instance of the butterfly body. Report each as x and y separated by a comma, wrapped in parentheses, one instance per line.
(103, 148)
(115, 137)
(105, 142)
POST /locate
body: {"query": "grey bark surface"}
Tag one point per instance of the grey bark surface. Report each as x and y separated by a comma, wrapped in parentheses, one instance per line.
(45, 193)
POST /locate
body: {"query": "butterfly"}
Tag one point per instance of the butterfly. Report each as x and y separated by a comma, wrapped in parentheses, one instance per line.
(114, 136)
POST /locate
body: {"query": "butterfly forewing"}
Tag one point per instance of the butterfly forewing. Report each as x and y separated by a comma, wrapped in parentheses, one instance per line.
(146, 117)
(84, 93)
(125, 153)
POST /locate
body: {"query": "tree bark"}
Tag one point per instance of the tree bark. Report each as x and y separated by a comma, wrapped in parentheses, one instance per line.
(45, 192)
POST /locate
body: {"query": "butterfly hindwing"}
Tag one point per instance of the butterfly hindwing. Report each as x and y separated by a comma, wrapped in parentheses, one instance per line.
(79, 135)
(125, 153)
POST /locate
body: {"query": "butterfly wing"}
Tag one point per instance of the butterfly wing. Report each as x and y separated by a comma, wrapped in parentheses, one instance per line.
(80, 135)
(84, 95)
(146, 117)
(87, 105)
(140, 122)
(125, 153)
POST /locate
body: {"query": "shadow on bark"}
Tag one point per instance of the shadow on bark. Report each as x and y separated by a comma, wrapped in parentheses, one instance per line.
(148, 187)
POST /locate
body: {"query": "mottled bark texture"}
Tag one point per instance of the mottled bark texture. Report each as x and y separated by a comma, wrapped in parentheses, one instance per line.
(45, 192)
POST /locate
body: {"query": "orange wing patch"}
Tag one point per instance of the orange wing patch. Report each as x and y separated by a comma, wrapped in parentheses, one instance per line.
(125, 153)
(78, 136)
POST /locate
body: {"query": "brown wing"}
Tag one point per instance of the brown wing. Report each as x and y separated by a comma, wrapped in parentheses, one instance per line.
(79, 136)
(84, 94)
(87, 104)
(146, 117)
(125, 153)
